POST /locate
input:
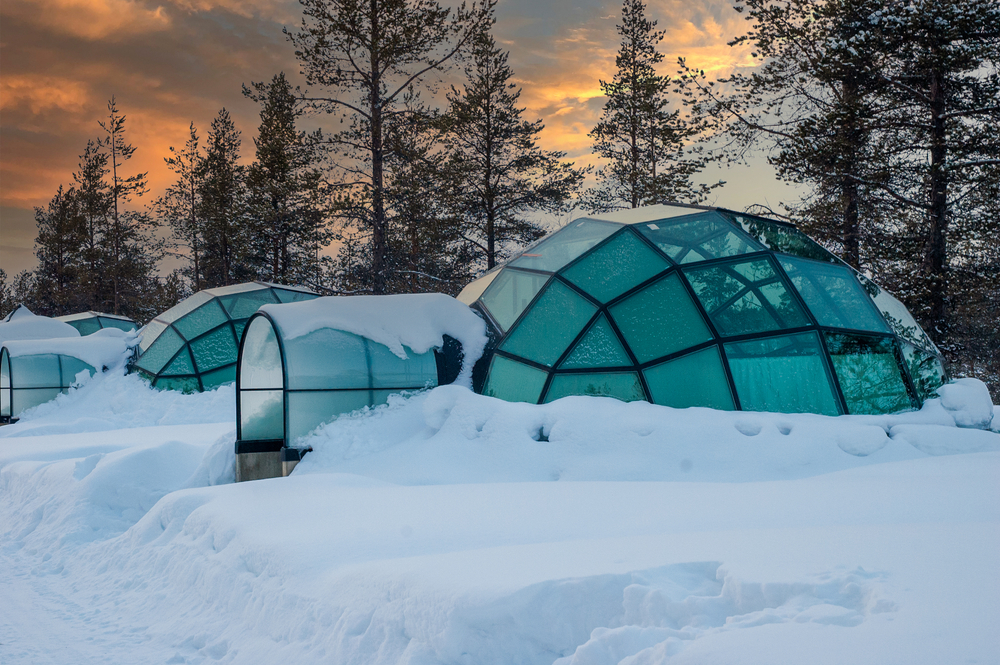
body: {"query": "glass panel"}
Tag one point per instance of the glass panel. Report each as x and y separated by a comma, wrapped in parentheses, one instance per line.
(897, 316)
(214, 349)
(748, 297)
(785, 239)
(261, 415)
(188, 384)
(391, 371)
(185, 306)
(513, 381)
(161, 351)
(150, 333)
(660, 320)
(201, 320)
(4, 384)
(785, 374)
(36, 371)
(218, 377)
(598, 348)
(569, 242)
(308, 410)
(179, 365)
(23, 399)
(869, 375)
(510, 293)
(86, 326)
(243, 305)
(238, 288)
(121, 324)
(326, 358)
(238, 327)
(555, 319)
(698, 237)
(475, 288)
(833, 295)
(697, 379)
(285, 295)
(71, 367)
(620, 385)
(261, 360)
(926, 370)
(615, 267)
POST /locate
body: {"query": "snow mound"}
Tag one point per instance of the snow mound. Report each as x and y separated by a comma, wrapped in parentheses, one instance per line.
(416, 320)
(109, 347)
(22, 324)
(968, 401)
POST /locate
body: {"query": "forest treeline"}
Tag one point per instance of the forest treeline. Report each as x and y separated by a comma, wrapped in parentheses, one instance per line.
(427, 171)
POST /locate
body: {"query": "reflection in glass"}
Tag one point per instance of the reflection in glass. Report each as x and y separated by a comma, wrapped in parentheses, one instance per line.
(926, 370)
(261, 415)
(564, 245)
(620, 385)
(784, 239)
(869, 375)
(261, 359)
(835, 298)
(698, 237)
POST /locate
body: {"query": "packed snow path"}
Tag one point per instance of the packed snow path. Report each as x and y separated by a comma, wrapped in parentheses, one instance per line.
(432, 530)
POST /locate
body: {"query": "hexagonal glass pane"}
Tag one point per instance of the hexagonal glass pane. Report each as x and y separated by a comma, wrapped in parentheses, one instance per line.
(747, 297)
(698, 237)
(869, 374)
(697, 379)
(784, 239)
(926, 370)
(599, 347)
(620, 385)
(621, 263)
(551, 324)
(215, 349)
(785, 374)
(833, 295)
(513, 381)
(660, 320)
(510, 293)
(564, 245)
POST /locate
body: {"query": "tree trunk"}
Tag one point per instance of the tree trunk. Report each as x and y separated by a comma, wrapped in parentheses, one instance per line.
(935, 259)
(380, 249)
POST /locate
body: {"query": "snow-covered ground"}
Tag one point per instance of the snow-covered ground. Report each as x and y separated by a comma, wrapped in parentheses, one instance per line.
(451, 528)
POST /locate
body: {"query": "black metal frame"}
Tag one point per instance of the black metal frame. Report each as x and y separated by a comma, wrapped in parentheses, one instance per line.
(718, 340)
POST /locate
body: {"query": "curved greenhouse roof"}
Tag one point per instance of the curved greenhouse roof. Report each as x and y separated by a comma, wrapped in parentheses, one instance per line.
(193, 345)
(691, 306)
(91, 321)
(303, 364)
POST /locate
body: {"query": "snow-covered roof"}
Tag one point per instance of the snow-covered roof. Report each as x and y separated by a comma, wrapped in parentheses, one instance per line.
(23, 324)
(104, 348)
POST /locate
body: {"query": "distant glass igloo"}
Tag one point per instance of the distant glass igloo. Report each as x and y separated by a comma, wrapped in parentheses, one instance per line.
(193, 345)
(90, 322)
(689, 306)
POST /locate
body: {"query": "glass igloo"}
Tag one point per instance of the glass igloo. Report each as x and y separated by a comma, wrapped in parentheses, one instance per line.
(91, 322)
(690, 306)
(193, 345)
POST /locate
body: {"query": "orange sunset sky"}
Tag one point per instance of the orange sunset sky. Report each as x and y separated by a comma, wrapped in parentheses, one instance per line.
(171, 62)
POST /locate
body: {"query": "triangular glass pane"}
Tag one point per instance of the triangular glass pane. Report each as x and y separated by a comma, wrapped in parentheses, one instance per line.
(510, 293)
(555, 319)
(697, 237)
(612, 269)
(599, 347)
(179, 365)
(564, 245)
(833, 295)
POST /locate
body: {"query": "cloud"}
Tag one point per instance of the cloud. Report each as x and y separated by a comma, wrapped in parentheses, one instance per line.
(89, 19)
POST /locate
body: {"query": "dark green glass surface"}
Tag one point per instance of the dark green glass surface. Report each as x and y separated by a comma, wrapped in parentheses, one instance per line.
(698, 237)
(161, 351)
(660, 320)
(513, 381)
(697, 379)
(833, 295)
(549, 326)
(620, 385)
(214, 349)
(869, 375)
(201, 320)
(621, 263)
(599, 347)
(926, 370)
(187, 384)
(180, 365)
(218, 377)
(784, 239)
(243, 305)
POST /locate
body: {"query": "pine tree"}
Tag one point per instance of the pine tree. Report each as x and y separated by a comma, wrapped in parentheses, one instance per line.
(180, 206)
(130, 249)
(499, 175)
(285, 189)
(223, 206)
(369, 54)
(642, 140)
(61, 238)
(95, 202)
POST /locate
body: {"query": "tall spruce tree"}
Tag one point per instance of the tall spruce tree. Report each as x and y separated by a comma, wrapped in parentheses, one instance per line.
(222, 207)
(180, 207)
(59, 246)
(499, 174)
(368, 54)
(131, 251)
(642, 140)
(94, 199)
(285, 189)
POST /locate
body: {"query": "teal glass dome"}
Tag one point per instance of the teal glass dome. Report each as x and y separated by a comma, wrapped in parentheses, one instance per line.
(193, 345)
(690, 306)
(90, 322)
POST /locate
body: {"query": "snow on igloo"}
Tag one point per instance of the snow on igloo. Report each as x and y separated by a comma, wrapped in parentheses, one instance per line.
(193, 345)
(692, 306)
